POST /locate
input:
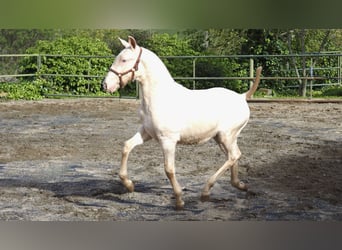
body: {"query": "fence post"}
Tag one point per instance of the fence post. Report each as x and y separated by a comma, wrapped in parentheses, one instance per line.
(39, 64)
(88, 73)
(137, 90)
(194, 73)
(311, 75)
(339, 69)
(251, 71)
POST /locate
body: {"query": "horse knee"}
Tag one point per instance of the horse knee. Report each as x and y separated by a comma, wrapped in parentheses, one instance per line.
(169, 169)
(126, 148)
(169, 173)
(235, 155)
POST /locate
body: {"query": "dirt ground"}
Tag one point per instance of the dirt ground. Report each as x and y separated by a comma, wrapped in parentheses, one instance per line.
(59, 160)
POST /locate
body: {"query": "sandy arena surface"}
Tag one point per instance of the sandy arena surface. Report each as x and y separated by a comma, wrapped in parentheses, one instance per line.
(59, 160)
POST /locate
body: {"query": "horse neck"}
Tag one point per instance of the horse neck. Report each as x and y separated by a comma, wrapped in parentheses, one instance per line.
(156, 79)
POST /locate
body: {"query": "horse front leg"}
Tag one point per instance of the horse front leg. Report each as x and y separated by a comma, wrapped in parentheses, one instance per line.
(139, 138)
(169, 148)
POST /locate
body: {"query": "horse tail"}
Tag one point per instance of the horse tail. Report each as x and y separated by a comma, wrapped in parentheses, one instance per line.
(256, 82)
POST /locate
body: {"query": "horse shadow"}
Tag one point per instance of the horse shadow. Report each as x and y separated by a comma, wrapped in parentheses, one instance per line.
(86, 186)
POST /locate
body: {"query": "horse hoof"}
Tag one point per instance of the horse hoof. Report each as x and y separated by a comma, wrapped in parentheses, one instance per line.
(130, 186)
(242, 186)
(180, 206)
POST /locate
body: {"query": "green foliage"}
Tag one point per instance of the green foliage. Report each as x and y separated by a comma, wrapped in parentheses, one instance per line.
(75, 42)
(221, 67)
(16, 41)
(173, 45)
(21, 91)
(225, 41)
(61, 57)
(332, 91)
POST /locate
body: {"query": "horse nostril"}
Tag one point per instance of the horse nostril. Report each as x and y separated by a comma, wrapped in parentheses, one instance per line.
(104, 86)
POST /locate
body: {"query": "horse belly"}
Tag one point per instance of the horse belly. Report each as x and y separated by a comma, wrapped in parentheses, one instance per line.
(197, 134)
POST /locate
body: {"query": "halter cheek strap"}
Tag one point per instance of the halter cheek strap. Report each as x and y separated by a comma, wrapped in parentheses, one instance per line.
(132, 70)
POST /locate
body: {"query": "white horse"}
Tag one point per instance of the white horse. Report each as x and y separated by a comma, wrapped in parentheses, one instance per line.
(171, 114)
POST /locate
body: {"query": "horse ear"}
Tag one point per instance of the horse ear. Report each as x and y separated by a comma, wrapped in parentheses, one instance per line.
(132, 42)
(124, 43)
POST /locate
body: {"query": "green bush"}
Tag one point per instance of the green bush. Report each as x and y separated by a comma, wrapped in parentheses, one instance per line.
(61, 56)
(218, 67)
(21, 91)
(332, 91)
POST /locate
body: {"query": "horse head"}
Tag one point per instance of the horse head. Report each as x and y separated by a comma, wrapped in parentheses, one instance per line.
(125, 66)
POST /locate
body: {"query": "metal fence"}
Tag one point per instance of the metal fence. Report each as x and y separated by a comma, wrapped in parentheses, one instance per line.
(13, 65)
(311, 69)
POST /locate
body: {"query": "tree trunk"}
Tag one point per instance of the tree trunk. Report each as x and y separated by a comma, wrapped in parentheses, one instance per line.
(293, 59)
(302, 34)
(302, 89)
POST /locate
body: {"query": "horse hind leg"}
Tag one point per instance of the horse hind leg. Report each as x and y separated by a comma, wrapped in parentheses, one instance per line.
(230, 147)
(234, 168)
(139, 138)
(235, 181)
(233, 154)
(210, 183)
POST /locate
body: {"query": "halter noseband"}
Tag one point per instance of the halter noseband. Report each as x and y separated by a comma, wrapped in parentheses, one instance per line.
(132, 70)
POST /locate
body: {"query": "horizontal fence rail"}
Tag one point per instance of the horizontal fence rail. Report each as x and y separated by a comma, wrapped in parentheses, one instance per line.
(310, 73)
